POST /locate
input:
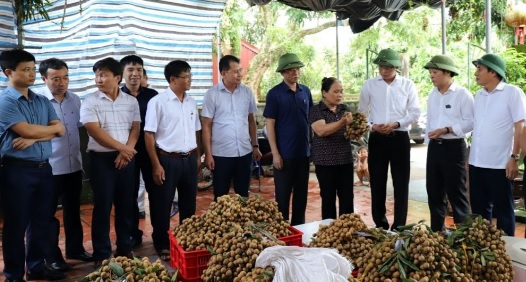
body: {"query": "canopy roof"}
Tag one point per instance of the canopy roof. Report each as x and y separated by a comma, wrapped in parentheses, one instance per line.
(362, 14)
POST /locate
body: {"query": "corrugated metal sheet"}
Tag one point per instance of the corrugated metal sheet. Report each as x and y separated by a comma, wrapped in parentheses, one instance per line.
(158, 31)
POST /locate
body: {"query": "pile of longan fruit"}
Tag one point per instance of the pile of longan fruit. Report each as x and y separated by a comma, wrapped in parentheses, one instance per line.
(132, 270)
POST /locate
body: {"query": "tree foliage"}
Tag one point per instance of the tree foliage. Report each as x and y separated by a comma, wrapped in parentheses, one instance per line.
(468, 20)
(275, 29)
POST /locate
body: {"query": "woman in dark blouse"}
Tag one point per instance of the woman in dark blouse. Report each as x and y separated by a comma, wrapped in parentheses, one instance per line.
(331, 152)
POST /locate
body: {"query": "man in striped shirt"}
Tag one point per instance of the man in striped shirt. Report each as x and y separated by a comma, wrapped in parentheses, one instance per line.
(112, 120)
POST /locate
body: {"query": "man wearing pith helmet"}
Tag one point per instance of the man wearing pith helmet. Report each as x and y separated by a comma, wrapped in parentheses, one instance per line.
(288, 131)
(390, 102)
(449, 122)
(494, 154)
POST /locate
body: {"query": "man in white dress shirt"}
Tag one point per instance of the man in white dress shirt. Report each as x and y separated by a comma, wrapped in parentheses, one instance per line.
(229, 130)
(112, 119)
(449, 121)
(172, 123)
(495, 147)
(390, 102)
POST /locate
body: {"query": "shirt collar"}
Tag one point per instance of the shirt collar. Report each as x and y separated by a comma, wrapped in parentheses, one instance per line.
(11, 91)
(47, 93)
(379, 77)
(499, 87)
(324, 107)
(126, 90)
(172, 96)
(102, 95)
(285, 87)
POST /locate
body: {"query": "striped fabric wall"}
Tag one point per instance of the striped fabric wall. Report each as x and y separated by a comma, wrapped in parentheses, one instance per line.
(158, 31)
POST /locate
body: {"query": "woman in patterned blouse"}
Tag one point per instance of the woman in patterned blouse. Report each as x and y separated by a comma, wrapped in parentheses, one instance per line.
(331, 152)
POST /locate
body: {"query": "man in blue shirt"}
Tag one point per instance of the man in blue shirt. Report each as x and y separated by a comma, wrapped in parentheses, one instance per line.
(66, 163)
(28, 121)
(133, 70)
(288, 130)
(229, 130)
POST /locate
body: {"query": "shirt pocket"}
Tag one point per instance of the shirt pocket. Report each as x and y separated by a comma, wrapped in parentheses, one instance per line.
(399, 99)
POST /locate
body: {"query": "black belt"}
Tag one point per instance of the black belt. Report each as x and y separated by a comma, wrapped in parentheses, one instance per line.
(447, 141)
(393, 133)
(177, 155)
(24, 163)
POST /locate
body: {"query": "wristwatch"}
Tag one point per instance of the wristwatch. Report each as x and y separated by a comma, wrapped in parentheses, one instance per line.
(515, 156)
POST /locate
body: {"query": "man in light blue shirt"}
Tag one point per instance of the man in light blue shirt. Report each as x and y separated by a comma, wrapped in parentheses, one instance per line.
(28, 123)
(66, 163)
(229, 130)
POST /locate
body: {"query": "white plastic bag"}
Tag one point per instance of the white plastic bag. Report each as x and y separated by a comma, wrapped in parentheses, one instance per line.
(305, 264)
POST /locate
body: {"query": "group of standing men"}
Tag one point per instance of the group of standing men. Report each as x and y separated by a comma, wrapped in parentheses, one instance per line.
(495, 117)
(134, 130)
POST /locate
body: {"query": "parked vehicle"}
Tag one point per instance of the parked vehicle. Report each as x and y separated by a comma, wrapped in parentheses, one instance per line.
(418, 129)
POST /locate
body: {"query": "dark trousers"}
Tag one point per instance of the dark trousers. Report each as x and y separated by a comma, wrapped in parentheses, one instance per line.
(180, 173)
(491, 195)
(142, 164)
(292, 179)
(446, 176)
(111, 186)
(393, 150)
(336, 180)
(27, 207)
(232, 169)
(68, 187)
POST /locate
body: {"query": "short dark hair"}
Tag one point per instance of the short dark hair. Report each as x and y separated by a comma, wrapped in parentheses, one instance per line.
(224, 63)
(109, 64)
(144, 71)
(175, 68)
(492, 70)
(132, 59)
(327, 82)
(10, 59)
(53, 63)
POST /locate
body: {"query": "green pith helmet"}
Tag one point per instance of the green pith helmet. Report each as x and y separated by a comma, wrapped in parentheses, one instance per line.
(442, 62)
(388, 57)
(289, 61)
(493, 62)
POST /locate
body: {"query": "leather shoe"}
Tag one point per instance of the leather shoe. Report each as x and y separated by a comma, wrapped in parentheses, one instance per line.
(136, 241)
(129, 255)
(142, 215)
(84, 256)
(59, 266)
(45, 273)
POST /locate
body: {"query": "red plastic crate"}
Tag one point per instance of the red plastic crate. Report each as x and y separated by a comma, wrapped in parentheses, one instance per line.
(192, 264)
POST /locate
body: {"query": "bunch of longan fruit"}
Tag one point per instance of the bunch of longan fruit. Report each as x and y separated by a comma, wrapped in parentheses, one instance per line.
(358, 126)
(131, 270)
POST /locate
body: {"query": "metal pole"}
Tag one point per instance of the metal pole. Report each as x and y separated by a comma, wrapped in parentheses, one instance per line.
(367, 63)
(488, 26)
(469, 65)
(337, 51)
(218, 48)
(443, 9)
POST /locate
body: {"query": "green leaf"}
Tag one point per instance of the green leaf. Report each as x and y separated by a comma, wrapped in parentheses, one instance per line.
(210, 250)
(401, 268)
(409, 263)
(483, 260)
(116, 268)
(405, 227)
(387, 264)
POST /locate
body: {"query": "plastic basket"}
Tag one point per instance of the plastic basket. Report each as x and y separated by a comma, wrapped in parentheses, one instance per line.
(192, 264)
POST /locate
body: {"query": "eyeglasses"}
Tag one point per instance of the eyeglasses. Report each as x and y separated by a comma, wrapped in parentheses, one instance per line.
(188, 77)
(387, 68)
(238, 71)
